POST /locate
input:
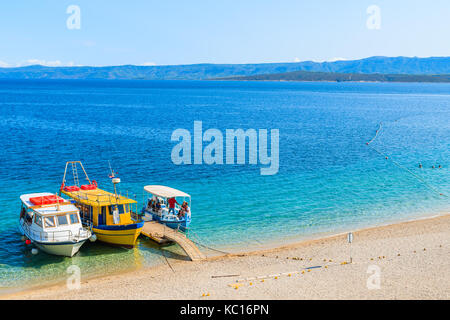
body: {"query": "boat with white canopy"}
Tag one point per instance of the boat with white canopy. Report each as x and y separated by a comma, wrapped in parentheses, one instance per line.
(168, 206)
(52, 224)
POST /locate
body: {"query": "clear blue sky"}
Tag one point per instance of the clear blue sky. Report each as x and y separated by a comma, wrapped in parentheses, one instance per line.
(218, 31)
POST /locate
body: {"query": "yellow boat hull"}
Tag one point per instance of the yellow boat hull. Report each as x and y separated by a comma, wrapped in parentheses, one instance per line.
(125, 235)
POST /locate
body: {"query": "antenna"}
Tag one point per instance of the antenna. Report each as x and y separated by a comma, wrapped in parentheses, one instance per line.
(110, 169)
(58, 208)
(115, 180)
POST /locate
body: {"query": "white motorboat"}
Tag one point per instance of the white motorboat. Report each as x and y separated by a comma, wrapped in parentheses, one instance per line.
(52, 224)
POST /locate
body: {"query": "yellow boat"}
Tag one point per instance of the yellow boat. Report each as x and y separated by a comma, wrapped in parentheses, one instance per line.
(110, 214)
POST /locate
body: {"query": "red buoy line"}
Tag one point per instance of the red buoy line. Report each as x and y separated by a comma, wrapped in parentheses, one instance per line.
(401, 166)
(376, 134)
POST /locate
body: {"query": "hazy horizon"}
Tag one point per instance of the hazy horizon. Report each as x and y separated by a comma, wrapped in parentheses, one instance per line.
(219, 63)
(148, 33)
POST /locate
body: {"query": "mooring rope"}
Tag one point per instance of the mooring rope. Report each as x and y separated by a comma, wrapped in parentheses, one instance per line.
(401, 166)
(167, 261)
(205, 246)
(197, 242)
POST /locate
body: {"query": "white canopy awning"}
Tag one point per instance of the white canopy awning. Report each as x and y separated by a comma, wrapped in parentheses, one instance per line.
(165, 192)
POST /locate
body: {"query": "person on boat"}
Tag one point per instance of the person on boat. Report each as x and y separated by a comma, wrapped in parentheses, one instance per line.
(150, 204)
(23, 212)
(157, 205)
(183, 210)
(172, 201)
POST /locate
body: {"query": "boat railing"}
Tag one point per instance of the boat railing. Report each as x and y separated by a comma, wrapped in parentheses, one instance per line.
(55, 236)
(100, 198)
(87, 223)
(138, 217)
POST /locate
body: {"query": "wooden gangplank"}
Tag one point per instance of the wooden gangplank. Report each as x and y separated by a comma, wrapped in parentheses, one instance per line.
(161, 233)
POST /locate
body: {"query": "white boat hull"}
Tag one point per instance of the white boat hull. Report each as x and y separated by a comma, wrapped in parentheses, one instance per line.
(67, 250)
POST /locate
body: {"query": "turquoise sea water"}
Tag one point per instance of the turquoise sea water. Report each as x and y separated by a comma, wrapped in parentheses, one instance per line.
(329, 181)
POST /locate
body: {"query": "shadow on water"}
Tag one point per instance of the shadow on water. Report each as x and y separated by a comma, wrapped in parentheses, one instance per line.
(13, 246)
(168, 250)
(14, 253)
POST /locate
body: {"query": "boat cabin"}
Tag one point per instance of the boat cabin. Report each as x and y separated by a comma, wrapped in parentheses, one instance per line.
(102, 207)
(47, 217)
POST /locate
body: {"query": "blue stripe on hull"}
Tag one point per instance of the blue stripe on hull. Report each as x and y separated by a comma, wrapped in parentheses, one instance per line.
(120, 227)
(57, 243)
(182, 224)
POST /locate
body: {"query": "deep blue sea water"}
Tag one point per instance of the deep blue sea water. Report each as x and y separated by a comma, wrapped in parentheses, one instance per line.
(329, 181)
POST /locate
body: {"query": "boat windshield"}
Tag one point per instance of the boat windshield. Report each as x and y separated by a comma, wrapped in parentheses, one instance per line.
(62, 220)
(38, 220)
(49, 222)
(74, 218)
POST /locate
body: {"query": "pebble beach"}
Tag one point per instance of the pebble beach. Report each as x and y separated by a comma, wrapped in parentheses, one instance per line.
(408, 260)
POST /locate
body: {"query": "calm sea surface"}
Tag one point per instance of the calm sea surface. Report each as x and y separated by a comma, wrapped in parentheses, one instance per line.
(329, 181)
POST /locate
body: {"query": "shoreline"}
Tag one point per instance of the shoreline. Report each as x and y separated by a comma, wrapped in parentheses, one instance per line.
(96, 286)
(238, 250)
(293, 240)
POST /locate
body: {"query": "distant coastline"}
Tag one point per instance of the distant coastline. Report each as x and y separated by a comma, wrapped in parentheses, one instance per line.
(305, 76)
(368, 69)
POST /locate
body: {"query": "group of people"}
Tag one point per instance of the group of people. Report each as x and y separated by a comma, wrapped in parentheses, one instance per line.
(184, 208)
(155, 205)
(432, 167)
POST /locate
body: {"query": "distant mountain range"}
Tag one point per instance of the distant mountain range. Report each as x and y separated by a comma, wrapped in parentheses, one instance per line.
(379, 65)
(342, 77)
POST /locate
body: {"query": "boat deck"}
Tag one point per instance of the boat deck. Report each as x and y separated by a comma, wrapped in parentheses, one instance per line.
(163, 234)
(98, 197)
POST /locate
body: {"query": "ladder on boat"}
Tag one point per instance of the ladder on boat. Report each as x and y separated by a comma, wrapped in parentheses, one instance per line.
(161, 234)
(76, 181)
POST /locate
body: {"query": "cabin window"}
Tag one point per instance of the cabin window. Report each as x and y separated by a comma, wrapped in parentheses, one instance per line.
(119, 207)
(85, 211)
(74, 218)
(38, 220)
(102, 216)
(62, 220)
(49, 222)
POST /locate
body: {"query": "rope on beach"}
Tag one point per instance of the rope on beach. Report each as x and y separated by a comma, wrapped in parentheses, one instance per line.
(420, 179)
(162, 252)
(281, 274)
